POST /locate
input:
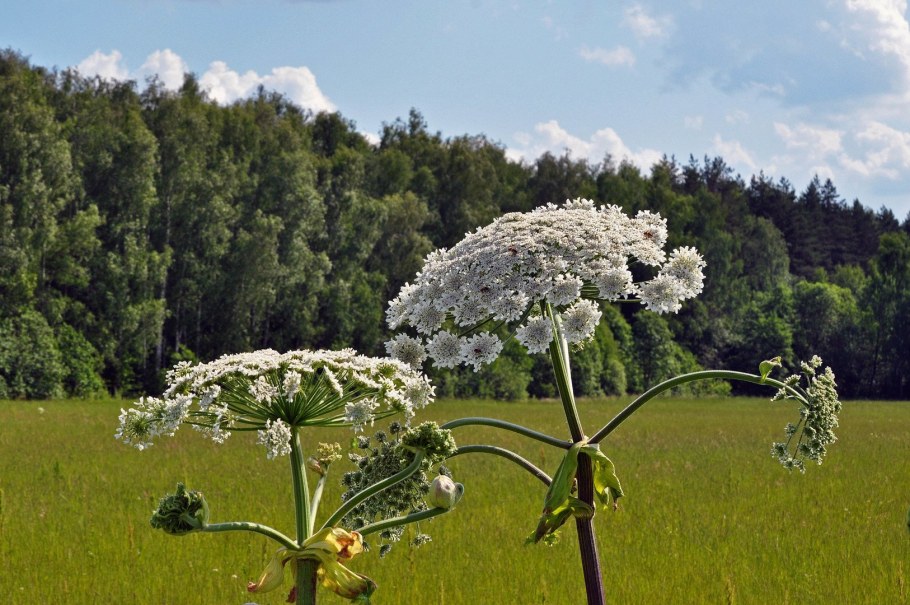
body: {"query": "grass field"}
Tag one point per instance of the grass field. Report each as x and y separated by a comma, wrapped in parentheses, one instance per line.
(708, 517)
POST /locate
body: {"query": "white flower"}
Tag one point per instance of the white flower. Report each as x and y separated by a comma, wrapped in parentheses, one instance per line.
(565, 290)
(580, 320)
(445, 349)
(291, 384)
(685, 265)
(360, 413)
(276, 438)
(557, 254)
(536, 334)
(262, 390)
(480, 349)
(406, 350)
(426, 317)
(300, 388)
(614, 283)
(662, 294)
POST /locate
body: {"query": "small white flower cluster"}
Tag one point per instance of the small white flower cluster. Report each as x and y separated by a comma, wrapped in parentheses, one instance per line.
(272, 392)
(818, 417)
(563, 255)
(276, 438)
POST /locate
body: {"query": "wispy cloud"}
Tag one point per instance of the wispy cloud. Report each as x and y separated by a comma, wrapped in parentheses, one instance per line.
(620, 56)
(644, 25)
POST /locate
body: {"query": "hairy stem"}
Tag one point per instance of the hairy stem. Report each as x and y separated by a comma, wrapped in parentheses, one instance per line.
(680, 380)
(508, 455)
(515, 428)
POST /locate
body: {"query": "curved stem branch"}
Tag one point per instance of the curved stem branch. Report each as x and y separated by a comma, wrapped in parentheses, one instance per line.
(508, 455)
(314, 503)
(515, 428)
(265, 530)
(372, 528)
(685, 378)
(375, 489)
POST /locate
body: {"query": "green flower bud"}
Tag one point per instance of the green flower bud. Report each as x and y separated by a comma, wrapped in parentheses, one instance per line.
(444, 493)
(181, 513)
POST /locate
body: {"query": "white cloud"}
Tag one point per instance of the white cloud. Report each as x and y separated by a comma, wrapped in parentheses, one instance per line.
(223, 84)
(550, 136)
(619, 56)
(644, 25)
(887, 28)
(109, 67)
(886, 151)
(299, 84)
(734, 153)
(817, 141)
(168, 66)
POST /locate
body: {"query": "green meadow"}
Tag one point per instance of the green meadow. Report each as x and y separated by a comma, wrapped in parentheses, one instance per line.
(709, 516)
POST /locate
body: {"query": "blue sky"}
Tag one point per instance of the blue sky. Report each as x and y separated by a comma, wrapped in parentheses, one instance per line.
(791, 88)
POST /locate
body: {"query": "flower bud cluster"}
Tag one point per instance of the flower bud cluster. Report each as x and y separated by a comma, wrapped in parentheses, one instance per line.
(273, 392)
(181, 513)
(556, 254)
(808, 439)
(384, 455)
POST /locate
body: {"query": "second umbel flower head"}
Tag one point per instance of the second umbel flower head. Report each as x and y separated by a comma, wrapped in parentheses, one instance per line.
(567, 256)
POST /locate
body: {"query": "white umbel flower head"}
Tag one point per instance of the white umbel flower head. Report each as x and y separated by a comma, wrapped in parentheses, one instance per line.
(406, 350)
(554, 254)
(580, 320)
(276, 437)
(536, 334)
(273, 393)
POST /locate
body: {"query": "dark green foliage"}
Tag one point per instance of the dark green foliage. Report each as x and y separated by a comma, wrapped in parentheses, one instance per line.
(141, 227)
(30, 362)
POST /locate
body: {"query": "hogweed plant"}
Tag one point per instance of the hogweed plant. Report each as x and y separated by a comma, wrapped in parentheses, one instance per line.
(277, 395)
(540, 277)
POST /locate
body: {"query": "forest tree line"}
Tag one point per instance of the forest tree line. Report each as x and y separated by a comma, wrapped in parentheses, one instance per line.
(143, 227)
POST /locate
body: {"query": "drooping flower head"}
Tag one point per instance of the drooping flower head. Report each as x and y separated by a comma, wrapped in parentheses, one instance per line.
(555, 254)
(272, 392)
(809, 437)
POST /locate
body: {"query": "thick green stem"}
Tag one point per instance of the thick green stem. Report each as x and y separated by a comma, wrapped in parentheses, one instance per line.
(508, 455)
(375, 489)
(372, 528)
(301, 490)
(587, 543)
(559, 357)
(680, 380)
(265, 530)
(306, 581)
(515, 428)
(306, 569)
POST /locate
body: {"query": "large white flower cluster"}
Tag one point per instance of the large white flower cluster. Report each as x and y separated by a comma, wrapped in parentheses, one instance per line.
(558, 254)
(272, 392)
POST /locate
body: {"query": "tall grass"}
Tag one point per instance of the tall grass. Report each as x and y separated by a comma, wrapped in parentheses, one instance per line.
(708, 517)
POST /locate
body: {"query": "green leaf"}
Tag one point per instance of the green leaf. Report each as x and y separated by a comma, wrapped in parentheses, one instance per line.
(606, 483)
(765, 367)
